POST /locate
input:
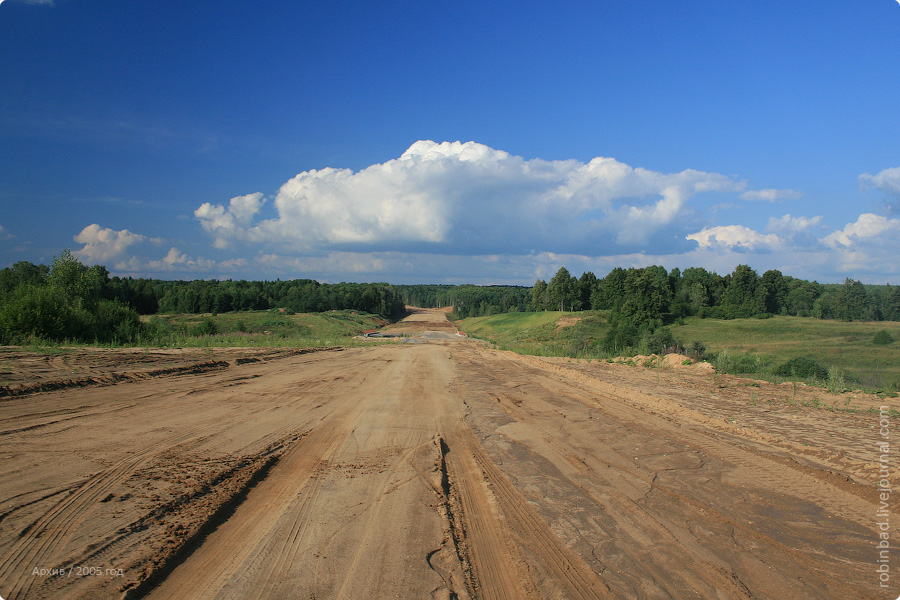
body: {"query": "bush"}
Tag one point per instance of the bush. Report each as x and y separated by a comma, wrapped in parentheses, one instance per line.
(802, 368)
(751, 363)
(660, 341)
(115, 322)
(42, 312)
(883, 338)
(697, 349)
(207, 327)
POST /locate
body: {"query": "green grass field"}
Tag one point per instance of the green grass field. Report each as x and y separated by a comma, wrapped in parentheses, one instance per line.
(258, 328)
(753, 346)
(541, 333)
(844, 346)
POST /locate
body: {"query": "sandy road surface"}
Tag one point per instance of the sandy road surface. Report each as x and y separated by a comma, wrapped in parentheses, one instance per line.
(434, 469)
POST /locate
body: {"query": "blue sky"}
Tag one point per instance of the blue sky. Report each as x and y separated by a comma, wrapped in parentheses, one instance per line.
(415, 142)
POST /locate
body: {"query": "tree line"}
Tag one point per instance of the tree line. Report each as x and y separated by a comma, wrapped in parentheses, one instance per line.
(641, 301)
(68, 301)
(655, 293)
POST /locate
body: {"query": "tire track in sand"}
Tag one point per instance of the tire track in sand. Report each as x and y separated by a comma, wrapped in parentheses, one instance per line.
(240, 540)
(38, 545)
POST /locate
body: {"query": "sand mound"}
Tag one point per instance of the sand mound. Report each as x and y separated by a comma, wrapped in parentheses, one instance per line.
(669, 361)
(566, 322)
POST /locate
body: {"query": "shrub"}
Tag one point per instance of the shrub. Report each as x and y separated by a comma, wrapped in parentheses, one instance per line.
(751, 363)
(803, 368)
(660, 341)
(207, 327)
(883, 338)
(697, 349)
(115, 322)
(42, 312)
(836, 382)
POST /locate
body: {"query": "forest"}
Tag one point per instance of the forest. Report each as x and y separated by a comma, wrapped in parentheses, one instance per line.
(68, 301)
(640, 302)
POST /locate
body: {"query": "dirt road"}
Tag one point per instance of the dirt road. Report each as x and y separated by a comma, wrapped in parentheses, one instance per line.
(433, 468)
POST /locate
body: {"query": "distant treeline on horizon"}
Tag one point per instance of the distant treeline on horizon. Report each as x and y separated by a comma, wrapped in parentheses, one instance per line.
(68, 300)
(648, 293)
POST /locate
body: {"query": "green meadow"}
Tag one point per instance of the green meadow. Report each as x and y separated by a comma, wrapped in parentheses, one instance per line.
(846, 346)
(258, 328)
(758, 347)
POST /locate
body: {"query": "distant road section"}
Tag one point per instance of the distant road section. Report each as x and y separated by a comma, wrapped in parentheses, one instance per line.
(438, 469)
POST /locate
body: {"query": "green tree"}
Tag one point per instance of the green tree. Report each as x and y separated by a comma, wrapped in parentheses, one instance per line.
(648, 294)
(562, 290)
(587, 285)
(740, 298)
(852, 302)
(22, 273)
(539, 296)
(81, 285)
(694, 291)
(773, 292)
(801, 297)
(613, 290)
(891, 309)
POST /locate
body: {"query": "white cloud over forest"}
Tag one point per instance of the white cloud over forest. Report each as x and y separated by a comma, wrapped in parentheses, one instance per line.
(103, 244)
(734, 236)
(468, 198)
(464, 212)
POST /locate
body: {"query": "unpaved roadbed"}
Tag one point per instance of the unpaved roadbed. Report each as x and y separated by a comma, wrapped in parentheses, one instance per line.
(438, 469)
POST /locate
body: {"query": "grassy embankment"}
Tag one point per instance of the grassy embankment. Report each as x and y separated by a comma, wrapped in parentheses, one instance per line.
(258, 328)
(549, 333)
(756, 347)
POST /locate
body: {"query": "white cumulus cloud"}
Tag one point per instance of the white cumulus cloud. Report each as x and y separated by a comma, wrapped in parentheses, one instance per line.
(793, 224)
(103, 244)
(734, 236)
(467, 198)
(225, 223)
(887, 181)
(867, 228)
(176, 260)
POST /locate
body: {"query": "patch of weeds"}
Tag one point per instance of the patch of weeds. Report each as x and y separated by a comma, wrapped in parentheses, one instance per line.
(836, 383)
(802, 367)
